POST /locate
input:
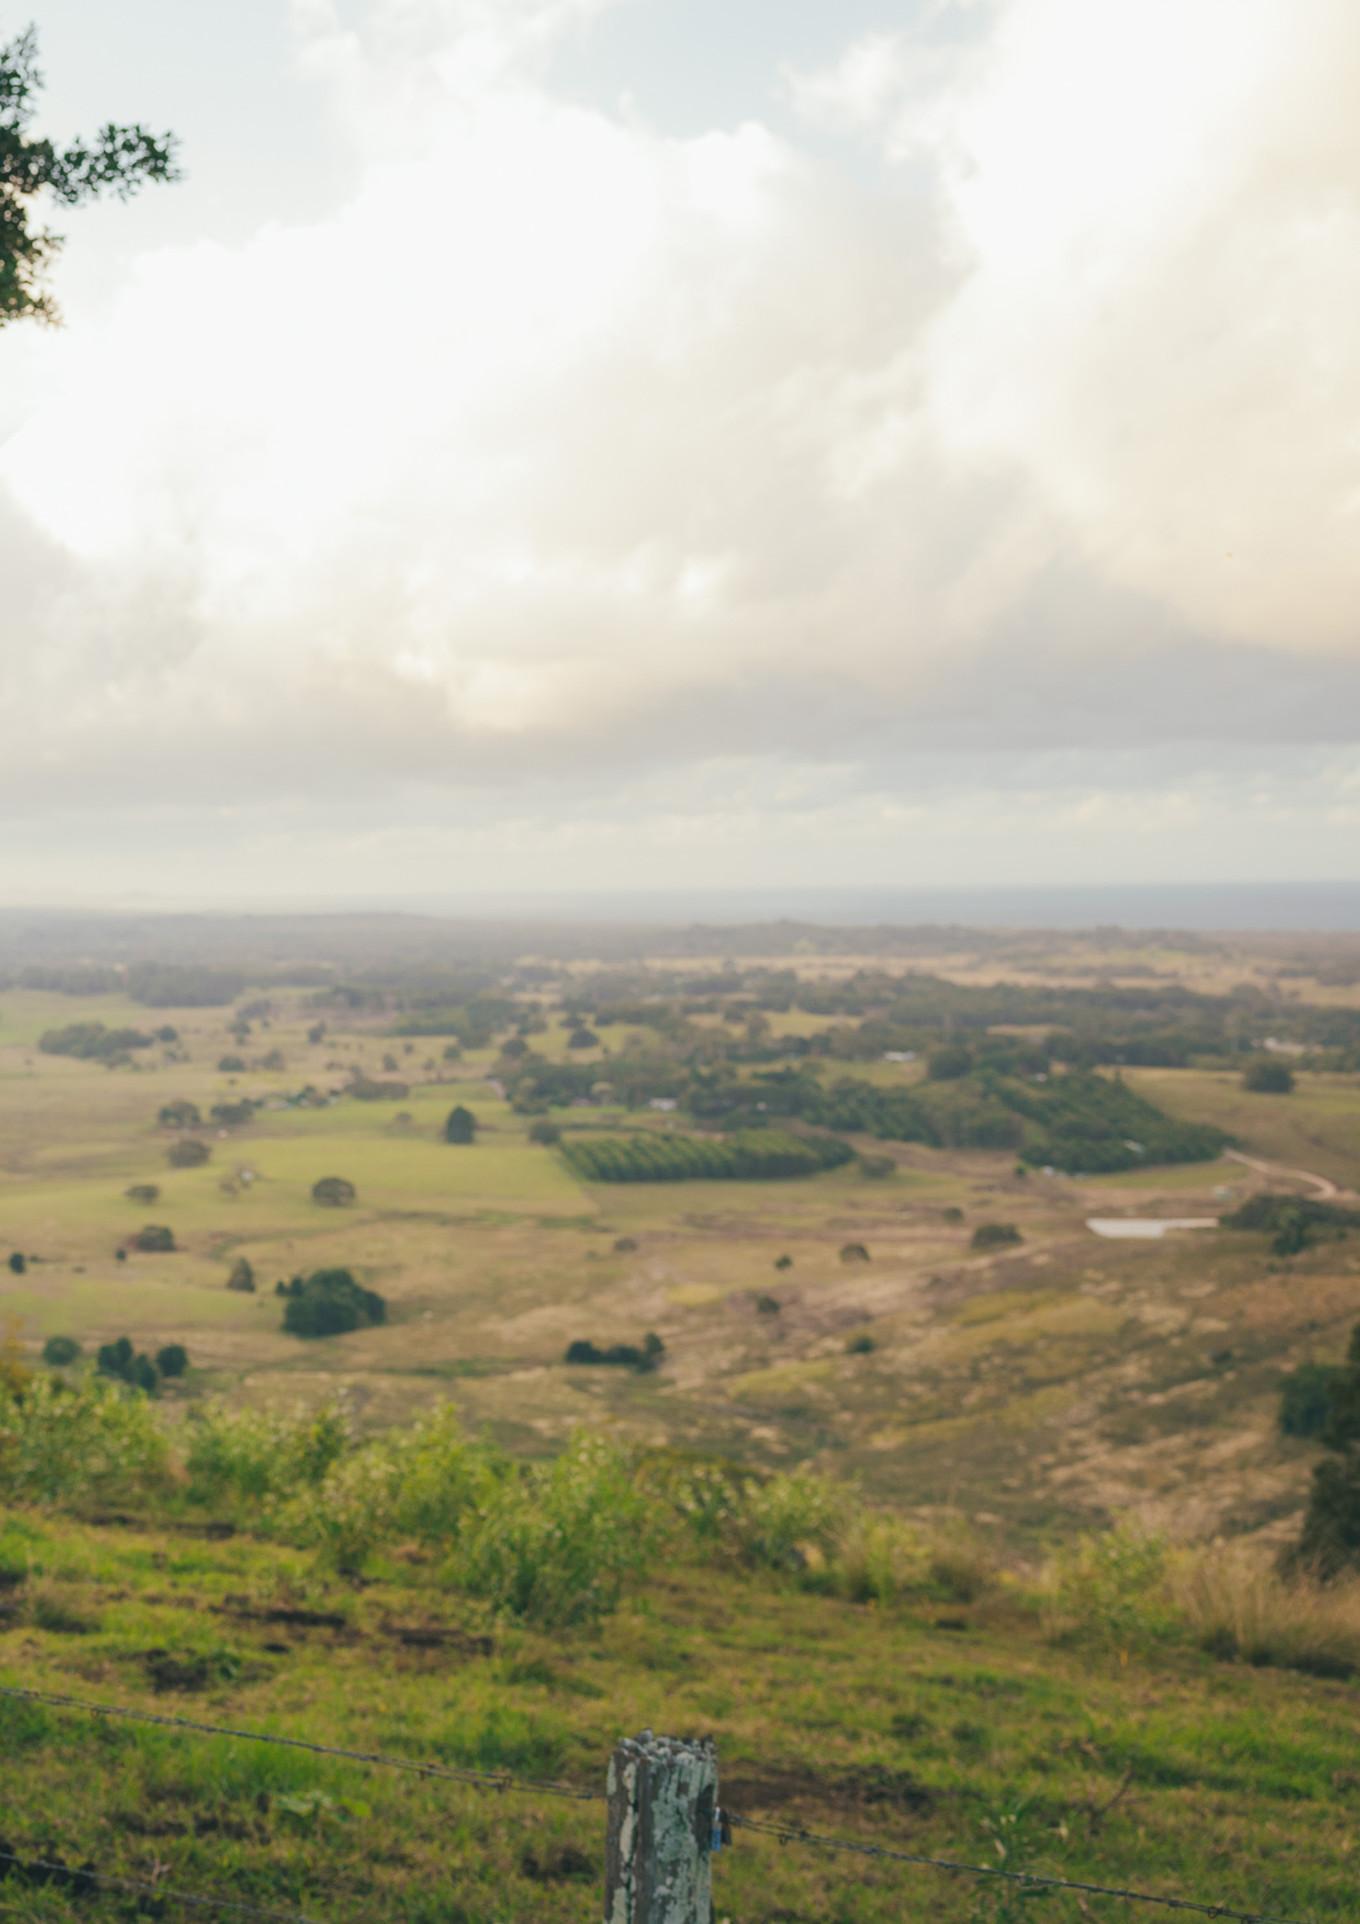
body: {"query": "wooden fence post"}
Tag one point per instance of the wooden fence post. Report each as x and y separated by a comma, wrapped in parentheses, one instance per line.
(663, 1812)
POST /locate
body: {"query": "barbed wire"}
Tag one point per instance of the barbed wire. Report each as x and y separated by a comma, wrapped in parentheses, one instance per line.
(796, 1834)
(82, 1877)
(452, 1773)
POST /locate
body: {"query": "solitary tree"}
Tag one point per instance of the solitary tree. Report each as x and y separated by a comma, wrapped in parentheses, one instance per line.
(120, 160)
(461, 1126)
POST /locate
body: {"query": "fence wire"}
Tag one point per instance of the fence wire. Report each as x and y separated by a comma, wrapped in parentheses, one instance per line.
(784, 1833)
(81, 1878)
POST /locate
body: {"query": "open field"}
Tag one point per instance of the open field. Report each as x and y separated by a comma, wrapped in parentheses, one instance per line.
(1061, 1380)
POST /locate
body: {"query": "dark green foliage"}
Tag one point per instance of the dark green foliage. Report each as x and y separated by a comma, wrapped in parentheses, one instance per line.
(461, 1126)
(230, 1115)
(783, 1262)
(861, 1345)
(333, 1192)
(545, 1133)
(331, 1303)
(242, 1277)
(949, 1063)
(768, 1306)
(1293, 1223)
(187, 1153)
(619, 1355)
(180, 1114)
(232, 1065)
(183, 985)
(173, 1360)
(1330, 1540)
(370, 1089)
(154, 1240)
(18, 1262)
(1306, 1398)
(996, 1236)
(877, 1168)
(119, 1360)
(89, 1041)
(753, 1155)
(59, 1352)
(583, 1038)
(1269, 1078)
(854, 1253)
(1095, 1125)
(119, 161)
(143, 1192)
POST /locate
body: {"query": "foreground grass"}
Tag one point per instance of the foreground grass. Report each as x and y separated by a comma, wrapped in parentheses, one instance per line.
(1161, 1768)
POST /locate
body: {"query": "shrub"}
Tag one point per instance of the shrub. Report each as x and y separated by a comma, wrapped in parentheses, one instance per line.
(333, 1192)
(861, 1345)
(546, 1134)
(854, 1253)
(790, 1520)
(173, 1360)
(242, 1277)
(1238, 1607)
(258, 1457)
(1269, 1078)
(877, 1168)
(118, 1360)
(330, 1302)
(187, 1153)
(59, 1352)
(180, 1114)
(460, 1126)
(154, 1240)
(1306, 1398)
(18, 1262)
(584, 1353)
(232, 1065)
(1110, 1589)
(59, 1444)
(143, 1192)
(558, 1544)
(949, 1064)
(996, 1236)
(783, 1262)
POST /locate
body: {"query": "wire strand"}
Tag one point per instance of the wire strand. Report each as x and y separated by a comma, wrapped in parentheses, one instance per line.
(451, 1773)
(795, 1834)
(162, 1892)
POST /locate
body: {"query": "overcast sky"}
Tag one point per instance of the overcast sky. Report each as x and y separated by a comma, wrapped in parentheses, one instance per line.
(608, 443)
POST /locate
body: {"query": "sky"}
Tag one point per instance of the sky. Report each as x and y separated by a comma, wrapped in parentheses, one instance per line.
(635, 444)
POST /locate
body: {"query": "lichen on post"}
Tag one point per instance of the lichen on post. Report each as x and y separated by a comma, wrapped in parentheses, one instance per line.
(663, 1798)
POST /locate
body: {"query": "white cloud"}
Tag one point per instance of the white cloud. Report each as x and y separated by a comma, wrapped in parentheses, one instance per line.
(564, 450)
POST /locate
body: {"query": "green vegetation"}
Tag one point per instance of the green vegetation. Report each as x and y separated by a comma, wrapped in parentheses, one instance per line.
(334, 1192)
(619, 1355)
(60, 1351)
(154, 1240)
(996, 1236)
(460, 1126)
(330, 1302)
(187, 1153)
(1269, 1078)
(94, 1042)
(752, 1155)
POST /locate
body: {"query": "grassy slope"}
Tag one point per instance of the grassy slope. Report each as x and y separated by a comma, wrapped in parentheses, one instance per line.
(906, 1726)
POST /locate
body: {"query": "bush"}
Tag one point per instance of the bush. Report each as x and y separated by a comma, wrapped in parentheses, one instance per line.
(180, 1114)
(136, 1369)
(546, 1134)
(1306, 1398)
(783, 1262)
(861, 1345)
(854, 1253)
(242, 1277)
(143, 1192)
(460, 1126)
(60, 1445)
(232, 1065)
(173, 1360)
(1110, 1589)
(331, 1303)
(154, 1240)
(1269, 1078)
(333, 1192)
(583, 1353)
(18, 1262)
(877, 1168)
(260, 1458)
(187, 1153)
(949, 1064)
(558, 1544)
(59, 1352)
(996, 1236)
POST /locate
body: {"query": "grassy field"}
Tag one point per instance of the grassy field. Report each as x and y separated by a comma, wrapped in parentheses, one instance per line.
(1041, 1387)
(926, 1727)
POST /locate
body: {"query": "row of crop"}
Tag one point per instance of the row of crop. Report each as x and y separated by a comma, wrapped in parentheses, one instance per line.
(752, 1155)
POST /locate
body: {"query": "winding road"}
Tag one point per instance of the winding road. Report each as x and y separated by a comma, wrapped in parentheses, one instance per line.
(1326, 1189)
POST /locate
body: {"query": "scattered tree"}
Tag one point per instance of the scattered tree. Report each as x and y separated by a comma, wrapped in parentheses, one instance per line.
(173, 1360)
(18, 1262)
(861, 1345)
(154, 1240)
(143, 1192)
(180, 1114)
(330, 1303)
(461, 1126)
(1269, 1078)
(334, 1192)
(996, 1236)
(545, 1133)
(242, 1277)
(59, 1352)
(187, 1153)
(854, 1253)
